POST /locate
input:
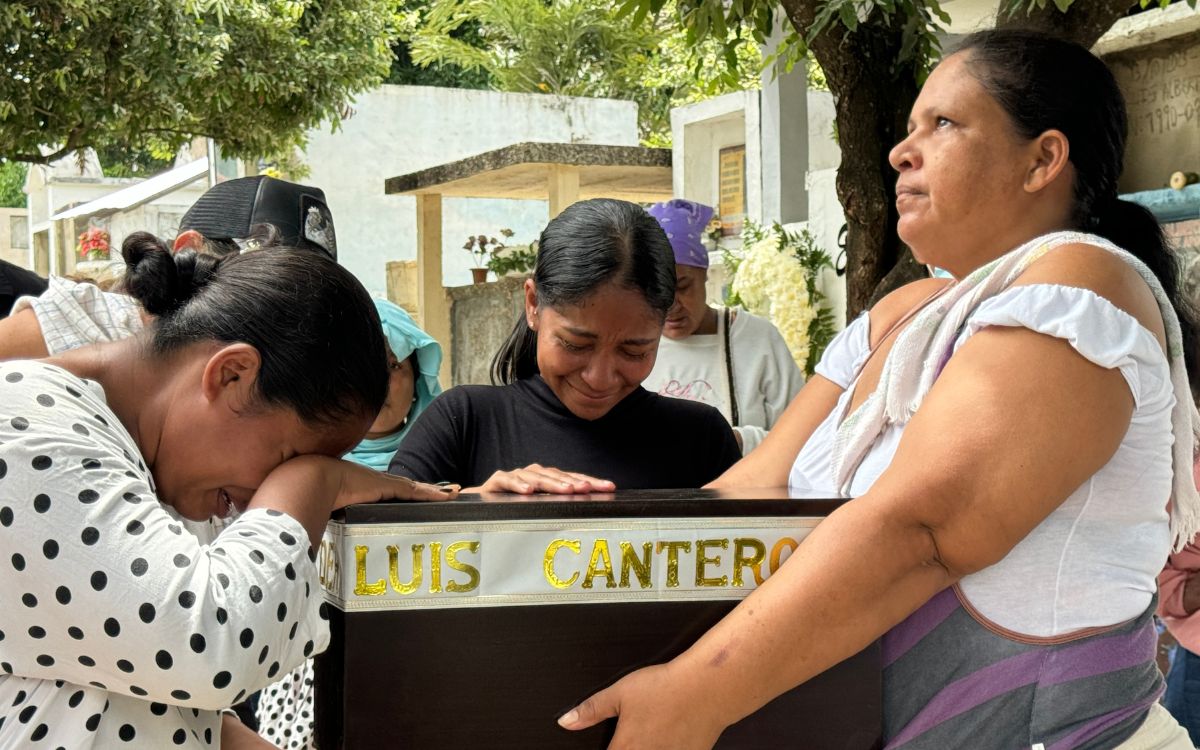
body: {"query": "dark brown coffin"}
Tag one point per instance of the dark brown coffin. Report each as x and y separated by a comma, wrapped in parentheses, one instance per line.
(498, 676)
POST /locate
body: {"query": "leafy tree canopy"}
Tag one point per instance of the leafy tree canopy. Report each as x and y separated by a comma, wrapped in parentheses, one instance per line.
(578, 48)
(152, 74)
(406, 72)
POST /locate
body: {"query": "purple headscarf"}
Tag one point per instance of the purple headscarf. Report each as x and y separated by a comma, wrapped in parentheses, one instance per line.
(684, 222)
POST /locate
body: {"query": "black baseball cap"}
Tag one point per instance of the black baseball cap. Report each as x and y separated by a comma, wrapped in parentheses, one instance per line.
(229, 209)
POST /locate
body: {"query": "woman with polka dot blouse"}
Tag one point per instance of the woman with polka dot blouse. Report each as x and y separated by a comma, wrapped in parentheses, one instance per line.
(160, 498)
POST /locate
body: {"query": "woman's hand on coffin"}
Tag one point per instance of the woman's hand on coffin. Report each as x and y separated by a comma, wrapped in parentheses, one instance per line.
(363, 485)
(537, 478)
(654, 708)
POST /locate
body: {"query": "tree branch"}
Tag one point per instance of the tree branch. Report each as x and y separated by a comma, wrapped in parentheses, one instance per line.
(1083, 23)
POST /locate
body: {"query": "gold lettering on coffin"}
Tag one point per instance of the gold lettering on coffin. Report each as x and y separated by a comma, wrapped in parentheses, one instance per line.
(328, 568)
(703, 560)
(472, 572)
(600, 554)
(394, 569)
(410, 587)
(435, 567)
(748, 553)
(777, 557)
(639, 566)
(753, 561)
(361, 587)
(672, 549)
(548, 562)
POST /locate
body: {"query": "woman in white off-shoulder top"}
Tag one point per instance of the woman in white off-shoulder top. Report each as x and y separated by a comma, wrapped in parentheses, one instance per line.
(1011, 438)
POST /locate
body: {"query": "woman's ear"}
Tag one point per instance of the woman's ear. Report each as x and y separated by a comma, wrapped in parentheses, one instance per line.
(1050, 152)
(188, 240)
(531, 304)
(230, 376)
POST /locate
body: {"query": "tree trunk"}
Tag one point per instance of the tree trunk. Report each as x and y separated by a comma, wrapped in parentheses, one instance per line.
(1083, 23)
(873, 95)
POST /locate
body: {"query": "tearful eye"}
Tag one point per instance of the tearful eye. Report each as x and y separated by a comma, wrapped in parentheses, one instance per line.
(942, 122)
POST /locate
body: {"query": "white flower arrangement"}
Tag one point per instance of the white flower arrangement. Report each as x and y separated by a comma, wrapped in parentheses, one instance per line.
(775, 275)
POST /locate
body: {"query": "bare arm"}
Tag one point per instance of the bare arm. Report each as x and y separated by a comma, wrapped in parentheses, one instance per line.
(21, 337)
(237, 736)
(309, 488)
(769, 463)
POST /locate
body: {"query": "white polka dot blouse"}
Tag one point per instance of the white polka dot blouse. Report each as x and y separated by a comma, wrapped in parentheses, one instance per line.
(121, 624)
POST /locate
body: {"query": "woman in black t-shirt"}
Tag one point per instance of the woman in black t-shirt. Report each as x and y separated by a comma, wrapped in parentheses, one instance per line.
(569, 378)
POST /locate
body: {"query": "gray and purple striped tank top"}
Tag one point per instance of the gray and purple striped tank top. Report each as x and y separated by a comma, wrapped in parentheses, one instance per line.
(954, 680)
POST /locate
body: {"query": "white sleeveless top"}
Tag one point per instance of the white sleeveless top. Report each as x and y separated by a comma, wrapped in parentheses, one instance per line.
(1094, 561)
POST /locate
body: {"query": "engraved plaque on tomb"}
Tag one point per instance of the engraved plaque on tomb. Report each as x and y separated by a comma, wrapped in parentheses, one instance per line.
(1161, 84)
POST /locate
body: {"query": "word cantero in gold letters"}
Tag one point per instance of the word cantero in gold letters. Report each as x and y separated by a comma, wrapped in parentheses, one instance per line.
(749, 554)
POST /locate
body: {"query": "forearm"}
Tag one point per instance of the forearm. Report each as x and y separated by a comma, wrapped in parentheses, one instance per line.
(768, 464)
(21, 337)
(305, 489)
(237, 736)
(858, 574)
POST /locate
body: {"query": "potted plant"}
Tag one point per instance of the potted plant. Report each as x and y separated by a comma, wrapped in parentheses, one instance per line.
(512, 260)
(489, 254)
(93, 244)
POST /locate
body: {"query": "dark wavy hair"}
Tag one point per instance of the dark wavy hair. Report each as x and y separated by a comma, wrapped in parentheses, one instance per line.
(591, 243)
(1044, 83)
(313, 324)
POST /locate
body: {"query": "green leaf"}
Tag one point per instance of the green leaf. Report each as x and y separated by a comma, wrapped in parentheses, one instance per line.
(717, 16)
(626, 8)
(848, 16)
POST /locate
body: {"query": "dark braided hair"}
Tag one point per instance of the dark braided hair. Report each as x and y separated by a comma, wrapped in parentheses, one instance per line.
(314, 325)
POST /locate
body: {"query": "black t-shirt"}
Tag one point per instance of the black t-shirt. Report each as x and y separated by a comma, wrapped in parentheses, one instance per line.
(17, 282)
(646, 441)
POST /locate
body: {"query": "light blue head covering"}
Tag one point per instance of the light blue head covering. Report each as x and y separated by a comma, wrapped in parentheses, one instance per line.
(404, 337)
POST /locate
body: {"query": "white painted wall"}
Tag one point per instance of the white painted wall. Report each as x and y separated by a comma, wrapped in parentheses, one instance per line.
(51, 190)
(14, 236)
(396, 130)
(825, 214)
(699, 132)
(967, 16)
(160, 217)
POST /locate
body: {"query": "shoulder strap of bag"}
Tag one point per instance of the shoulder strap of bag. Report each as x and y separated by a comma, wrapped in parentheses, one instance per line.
(733, 405)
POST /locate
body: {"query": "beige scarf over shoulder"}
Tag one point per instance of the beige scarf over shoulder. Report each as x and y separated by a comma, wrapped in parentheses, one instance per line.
(919, 354)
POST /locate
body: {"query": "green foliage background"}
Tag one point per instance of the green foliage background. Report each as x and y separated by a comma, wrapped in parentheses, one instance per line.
(148, 75)
(12, 182)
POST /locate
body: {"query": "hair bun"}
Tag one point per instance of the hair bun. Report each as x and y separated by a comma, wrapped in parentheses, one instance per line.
(159, 281)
